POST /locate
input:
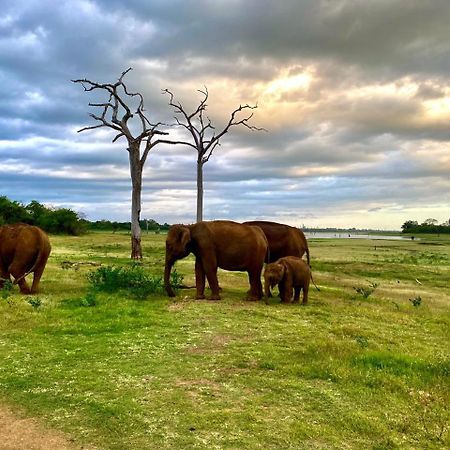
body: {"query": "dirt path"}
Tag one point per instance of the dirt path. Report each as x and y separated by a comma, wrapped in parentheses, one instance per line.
(19, 433)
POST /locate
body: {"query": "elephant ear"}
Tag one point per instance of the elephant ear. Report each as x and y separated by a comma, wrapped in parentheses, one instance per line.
(285, 267)
(185, 236)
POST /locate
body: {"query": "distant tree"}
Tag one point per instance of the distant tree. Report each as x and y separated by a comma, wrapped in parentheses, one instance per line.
(37, 211)
(12, 212)
(430, 222)
(53, 220)
(116, 113)
(203, 137)
(409, 225)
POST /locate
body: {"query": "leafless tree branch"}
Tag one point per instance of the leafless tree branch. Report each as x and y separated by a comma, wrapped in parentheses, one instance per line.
(203, 133)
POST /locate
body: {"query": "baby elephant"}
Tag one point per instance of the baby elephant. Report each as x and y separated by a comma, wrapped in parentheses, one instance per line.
(288, 272)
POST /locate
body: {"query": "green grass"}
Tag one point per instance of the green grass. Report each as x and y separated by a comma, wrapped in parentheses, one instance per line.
(342, 372)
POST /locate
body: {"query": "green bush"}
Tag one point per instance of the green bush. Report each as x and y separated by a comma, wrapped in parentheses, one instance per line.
(90, 299)
(52, 220)
(133, 279)
(366, 292)
(35, 302)
(416, 301)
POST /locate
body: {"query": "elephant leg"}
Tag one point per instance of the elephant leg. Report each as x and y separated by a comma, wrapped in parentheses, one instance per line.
(17, 272)
(199, 279)
(305, 294)
(211, 275)
(297, 290)
(287, 293)
(256, 292)
(36, 279)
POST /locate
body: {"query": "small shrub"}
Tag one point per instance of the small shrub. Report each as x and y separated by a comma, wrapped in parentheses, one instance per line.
(176, 279)
(366, 292)
(35, 302)
(6, 289)
(362, 341)
(6, 292)
(416, 301)
(267, 365)
(132, 278)
(90, 299)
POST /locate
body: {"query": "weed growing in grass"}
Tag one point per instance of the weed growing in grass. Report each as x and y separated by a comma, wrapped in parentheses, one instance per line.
(90, 299)
(132, 278)
(433, 412)
(6, 291)
(176, 279)
(416, 301)
(362, 341)
(366, 292)
(35, 302)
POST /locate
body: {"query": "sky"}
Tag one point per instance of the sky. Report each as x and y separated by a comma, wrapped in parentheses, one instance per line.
(354, 95)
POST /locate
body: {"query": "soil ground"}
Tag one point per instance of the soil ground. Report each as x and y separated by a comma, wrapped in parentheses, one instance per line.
(23, 433)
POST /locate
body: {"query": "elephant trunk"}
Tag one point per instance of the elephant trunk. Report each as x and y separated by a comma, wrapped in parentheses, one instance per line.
(267, 293)
(167, 269)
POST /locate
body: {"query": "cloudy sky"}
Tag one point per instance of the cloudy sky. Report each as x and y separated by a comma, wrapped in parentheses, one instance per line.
(355, 95)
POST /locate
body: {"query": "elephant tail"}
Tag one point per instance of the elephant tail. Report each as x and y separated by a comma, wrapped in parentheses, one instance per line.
(307, 255)
(40, 258)
(312, 279)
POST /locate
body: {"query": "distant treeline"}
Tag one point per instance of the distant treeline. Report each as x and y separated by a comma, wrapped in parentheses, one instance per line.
(429, 226)
(107, 225)
(63, 220)
(339, 230)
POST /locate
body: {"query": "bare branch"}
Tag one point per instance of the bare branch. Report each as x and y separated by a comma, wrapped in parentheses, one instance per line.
(93, 127)
(205, 159)
(118, 136)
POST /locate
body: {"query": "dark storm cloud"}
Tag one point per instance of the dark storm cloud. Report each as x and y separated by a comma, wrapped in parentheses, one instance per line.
(375, 101)
(390, 33)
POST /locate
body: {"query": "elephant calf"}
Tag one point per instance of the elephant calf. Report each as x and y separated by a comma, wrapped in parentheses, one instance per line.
(23, 249)
(289, 273)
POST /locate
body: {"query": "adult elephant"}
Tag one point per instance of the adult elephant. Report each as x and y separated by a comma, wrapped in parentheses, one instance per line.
(284, 240)
(219, 243)
(24, 249)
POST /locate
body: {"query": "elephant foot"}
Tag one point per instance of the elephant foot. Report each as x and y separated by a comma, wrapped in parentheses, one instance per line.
(252, 298)
(214, 297)
(25, 291)
(199, 297)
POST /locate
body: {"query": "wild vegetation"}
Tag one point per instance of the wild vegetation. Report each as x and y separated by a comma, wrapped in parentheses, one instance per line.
(430, 226)
(63, 220)
(123, 371)
(52, 220)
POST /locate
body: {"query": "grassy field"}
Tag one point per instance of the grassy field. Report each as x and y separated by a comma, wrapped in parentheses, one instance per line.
(365, 365)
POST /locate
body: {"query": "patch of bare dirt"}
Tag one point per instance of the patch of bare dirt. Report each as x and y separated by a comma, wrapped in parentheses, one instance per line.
(21, 433)
(211, 344)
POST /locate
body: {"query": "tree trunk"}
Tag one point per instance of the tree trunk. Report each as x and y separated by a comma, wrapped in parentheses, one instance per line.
(136, 182)
(199, 191)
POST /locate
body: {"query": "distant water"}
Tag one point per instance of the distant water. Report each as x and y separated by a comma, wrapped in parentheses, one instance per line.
(343, 235)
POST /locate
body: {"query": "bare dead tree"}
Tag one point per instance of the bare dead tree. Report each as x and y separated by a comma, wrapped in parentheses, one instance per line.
(205, 139)
(116, 113)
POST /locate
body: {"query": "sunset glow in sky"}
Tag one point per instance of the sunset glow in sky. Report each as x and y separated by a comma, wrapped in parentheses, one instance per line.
(355, 96)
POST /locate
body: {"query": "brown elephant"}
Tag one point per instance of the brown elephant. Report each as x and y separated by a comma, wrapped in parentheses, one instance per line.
(23, 249)
(284, 240)
(219, 243)
(289, 273)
